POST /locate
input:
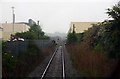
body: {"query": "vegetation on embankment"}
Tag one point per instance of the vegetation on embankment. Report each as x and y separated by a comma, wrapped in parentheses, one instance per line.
(25, 62)
(96, 53)
(90, 63)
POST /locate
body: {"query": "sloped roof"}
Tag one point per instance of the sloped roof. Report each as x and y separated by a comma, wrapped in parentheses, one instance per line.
(22, 23)
(80, 26)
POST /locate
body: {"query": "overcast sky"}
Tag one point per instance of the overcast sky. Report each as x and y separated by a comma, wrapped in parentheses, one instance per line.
(56, 15)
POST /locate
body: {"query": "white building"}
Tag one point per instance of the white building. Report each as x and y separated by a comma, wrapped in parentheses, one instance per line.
(9, 28)
(80, 27)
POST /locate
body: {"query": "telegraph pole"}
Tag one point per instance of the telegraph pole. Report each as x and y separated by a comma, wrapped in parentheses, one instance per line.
(73, 28)
(13, 17)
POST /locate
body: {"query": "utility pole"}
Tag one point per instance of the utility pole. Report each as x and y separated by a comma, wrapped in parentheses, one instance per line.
(73, 28)
(13, 17)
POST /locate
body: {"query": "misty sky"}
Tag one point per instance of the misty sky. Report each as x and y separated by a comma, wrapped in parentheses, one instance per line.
(55, 15)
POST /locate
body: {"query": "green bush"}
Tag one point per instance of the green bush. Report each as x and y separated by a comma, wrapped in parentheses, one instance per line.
(35, 32)
(8, 62)
(71, 38)
(99, 48)
(80, 37)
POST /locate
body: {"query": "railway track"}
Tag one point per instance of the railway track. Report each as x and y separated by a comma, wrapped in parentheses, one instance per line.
(56, 65)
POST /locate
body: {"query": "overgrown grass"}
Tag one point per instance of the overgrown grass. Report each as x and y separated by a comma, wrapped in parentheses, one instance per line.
(0, 46)
(25, 63)
(90, 63)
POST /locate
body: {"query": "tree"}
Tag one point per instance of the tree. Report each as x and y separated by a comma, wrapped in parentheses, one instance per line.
(35, 32)
(114, 12)
(72, 38)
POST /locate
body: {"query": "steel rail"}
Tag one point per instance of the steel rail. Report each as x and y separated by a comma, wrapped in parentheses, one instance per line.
(43, 75)
(63, 64)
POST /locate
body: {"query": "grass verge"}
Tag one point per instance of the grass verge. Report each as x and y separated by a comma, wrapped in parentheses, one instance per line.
(90, 63)
(26, 62)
